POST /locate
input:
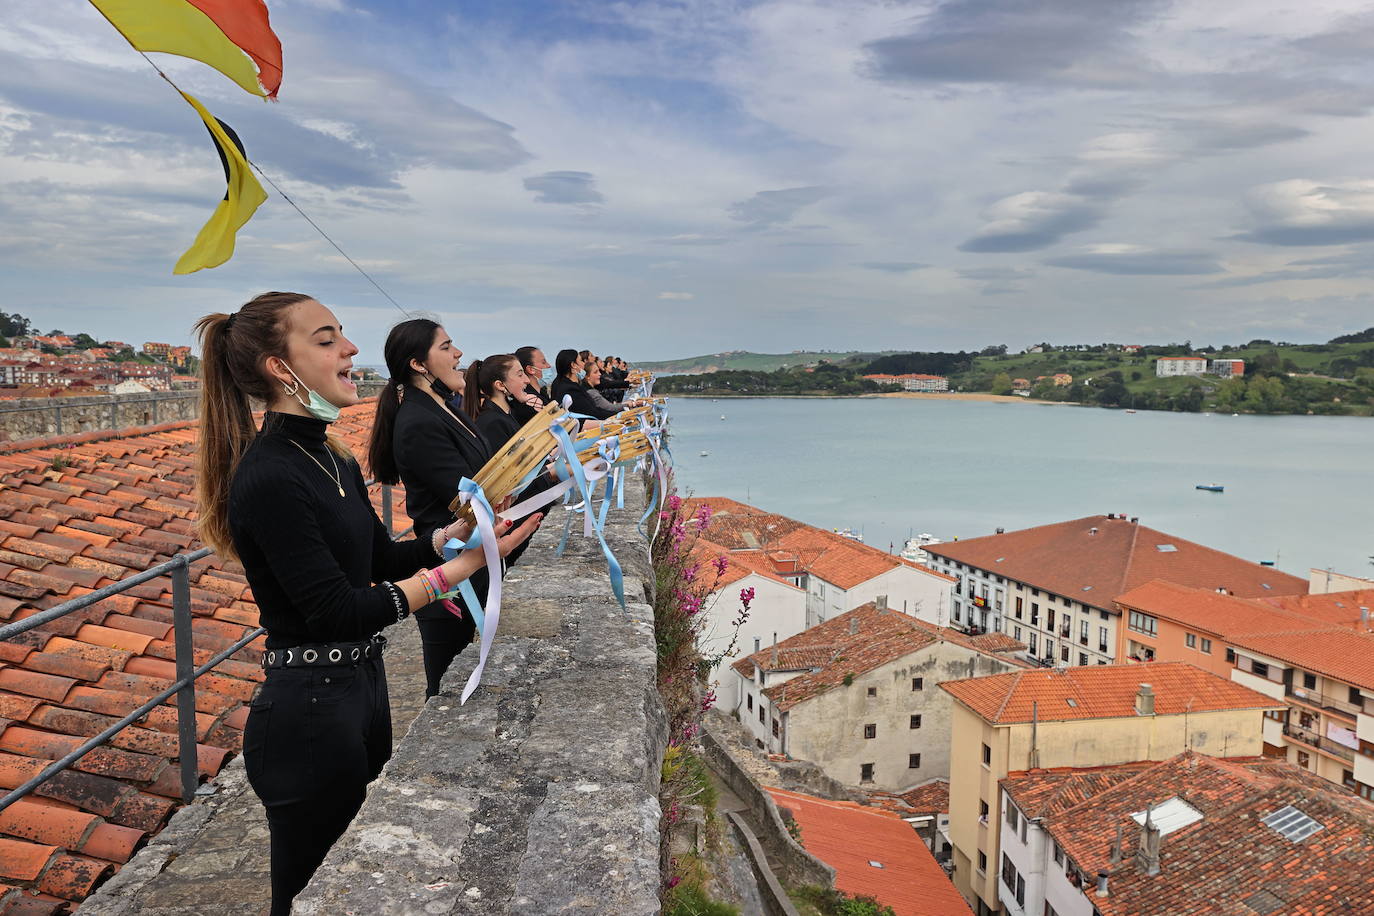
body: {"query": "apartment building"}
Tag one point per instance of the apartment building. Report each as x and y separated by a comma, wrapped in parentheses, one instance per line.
(1314, 653)
(1168, 366)
(1193, 834)
(1054, 587)
(1077, 717)
(857, 695)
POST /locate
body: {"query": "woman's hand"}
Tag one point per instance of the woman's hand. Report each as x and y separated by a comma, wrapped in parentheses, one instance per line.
(514, 537)
(461, 529)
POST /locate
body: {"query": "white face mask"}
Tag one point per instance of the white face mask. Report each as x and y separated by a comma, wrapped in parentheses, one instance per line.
(315, 405)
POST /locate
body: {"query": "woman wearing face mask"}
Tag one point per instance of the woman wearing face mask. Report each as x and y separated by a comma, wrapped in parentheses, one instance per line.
(419, 439)
(289, 502)
(569, 385)
(497, 384)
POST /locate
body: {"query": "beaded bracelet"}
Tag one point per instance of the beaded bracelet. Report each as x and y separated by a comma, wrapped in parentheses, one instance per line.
(397, 600)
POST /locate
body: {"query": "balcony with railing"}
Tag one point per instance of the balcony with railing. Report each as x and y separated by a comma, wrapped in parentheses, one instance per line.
(1325, 702)
(1325, 745)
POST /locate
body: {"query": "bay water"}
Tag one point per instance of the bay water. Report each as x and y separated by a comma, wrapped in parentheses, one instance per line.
(1298, 490)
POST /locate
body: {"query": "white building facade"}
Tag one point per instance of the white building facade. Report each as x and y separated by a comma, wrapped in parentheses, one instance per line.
(1168, 366)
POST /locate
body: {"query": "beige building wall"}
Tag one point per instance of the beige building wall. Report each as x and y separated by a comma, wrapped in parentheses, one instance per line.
(1324, 581)
(829, 730)
(1076, 743)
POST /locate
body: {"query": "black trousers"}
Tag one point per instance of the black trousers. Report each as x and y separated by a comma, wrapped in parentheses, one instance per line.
(314, 739)
(442, 637)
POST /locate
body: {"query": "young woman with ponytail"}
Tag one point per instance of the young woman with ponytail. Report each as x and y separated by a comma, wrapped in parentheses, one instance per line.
(420, 440)
(289, 502)
(498, 384)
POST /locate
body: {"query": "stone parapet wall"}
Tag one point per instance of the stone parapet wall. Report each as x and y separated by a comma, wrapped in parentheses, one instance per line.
(37, 418)
(540, 795)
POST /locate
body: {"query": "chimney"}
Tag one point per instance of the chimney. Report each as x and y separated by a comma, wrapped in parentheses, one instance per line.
(1221, 590)
(773, 661)
(1118, 847)
(853, 626)
(1135, 519)
(1147, 850)
(1092, 531)
(1145, 701)
(880, 603)
(1111, 515)
(1364, 618)
(1102, 884)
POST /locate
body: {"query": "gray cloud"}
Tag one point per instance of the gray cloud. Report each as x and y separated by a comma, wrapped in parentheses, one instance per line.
(1300, 211)
(1032, 220)
(895, 267)
(768, 208)
(692, 239)
(998, 41)
(564, 188)
(1125, 260)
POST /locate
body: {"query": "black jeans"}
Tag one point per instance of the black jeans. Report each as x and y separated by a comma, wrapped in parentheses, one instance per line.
(442, 637)
(314, 739)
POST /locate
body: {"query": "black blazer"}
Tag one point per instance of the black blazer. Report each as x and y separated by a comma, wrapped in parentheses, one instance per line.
(497, 426)
(433, 452)
(580, 402)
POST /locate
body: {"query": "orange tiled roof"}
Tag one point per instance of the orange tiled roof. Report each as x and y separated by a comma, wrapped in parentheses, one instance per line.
(1227, 862)
(843, 562)
(850, 838)
(1095, 559)
(1337, 652)
(1100, 692)
(1332, 607)
(847, 645)
(78, 513)
(1206, 610)
(929, 798)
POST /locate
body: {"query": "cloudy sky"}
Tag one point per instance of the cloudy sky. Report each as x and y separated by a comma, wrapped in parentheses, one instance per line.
(667, 178)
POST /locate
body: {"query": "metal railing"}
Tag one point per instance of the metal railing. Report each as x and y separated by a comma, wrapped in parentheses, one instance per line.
(1311, 739)
(179, 568)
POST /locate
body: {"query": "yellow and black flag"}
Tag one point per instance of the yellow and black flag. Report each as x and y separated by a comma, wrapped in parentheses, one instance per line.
(215, 243)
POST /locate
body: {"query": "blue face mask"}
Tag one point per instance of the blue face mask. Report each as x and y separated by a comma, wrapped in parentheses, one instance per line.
(316, 406)
(547, 376)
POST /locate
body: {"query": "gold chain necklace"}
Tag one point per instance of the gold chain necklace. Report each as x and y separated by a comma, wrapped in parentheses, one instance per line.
(336, 476)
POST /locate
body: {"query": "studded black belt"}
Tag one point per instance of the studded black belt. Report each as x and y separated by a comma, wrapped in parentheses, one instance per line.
(318, 655)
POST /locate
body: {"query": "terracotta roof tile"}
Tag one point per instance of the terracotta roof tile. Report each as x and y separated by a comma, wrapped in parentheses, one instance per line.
(1100, 691)
(1337, 652)
(850, 838)
(24, 861)
(1221, 862)
(125, 502)
(1095, 559)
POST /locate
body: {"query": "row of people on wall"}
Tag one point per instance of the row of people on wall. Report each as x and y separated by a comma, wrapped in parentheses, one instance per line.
(289, 501)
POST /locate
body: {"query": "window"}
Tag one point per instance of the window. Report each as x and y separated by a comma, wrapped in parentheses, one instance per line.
(1008, 873)
(1143, 623)
(1304, 759)
(915, 721)
(1190, 640)
(1016, 633)
(997, 601)
(1309, 680)
(871, 730)
(1206, 646)
(1083, 631)
(1259, 669)
(1018, 607)
(913, 761)
(1049, 619)
(1035, 614)
(1058, 854)
(982, 812)
(749, 701)
(982, 861)
(1049, 910)
(1102, 640)
(1356, 697)
(958, 613)
(762, 718)
(1023, 830)
(775, 728)
(1064, 653)
(1348, 779)
(987, 756)
(865, 772)
(1035, 592)
(918, 683)
(873, 691)
(1030, 641)
(1049, 648)
(1230, 656)
(1083, 658)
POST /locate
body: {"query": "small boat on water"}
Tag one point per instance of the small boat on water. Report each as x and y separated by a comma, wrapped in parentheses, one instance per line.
(705, 454)
(914, 548)
(1130, 410)
(722, 416)
(1211, 487)
(849, 533)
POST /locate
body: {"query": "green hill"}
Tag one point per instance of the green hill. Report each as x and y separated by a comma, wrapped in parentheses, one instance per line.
(752, 362)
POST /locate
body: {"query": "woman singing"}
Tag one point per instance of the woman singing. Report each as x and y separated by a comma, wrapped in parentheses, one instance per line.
(289, 502)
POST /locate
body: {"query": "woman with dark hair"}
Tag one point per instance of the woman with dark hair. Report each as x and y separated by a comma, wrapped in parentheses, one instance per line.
(419, 440)
(569, 364)
(290, 504)
(498, 383)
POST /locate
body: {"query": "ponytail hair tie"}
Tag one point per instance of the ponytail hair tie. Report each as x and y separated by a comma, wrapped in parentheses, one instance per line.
(229, 322)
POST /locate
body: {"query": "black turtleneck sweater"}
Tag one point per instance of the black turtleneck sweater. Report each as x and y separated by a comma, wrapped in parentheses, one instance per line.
(310, 555)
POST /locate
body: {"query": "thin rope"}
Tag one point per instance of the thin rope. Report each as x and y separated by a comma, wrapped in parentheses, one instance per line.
(294, 205)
